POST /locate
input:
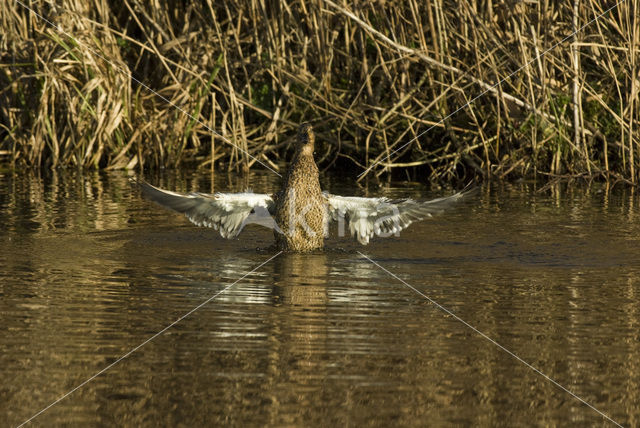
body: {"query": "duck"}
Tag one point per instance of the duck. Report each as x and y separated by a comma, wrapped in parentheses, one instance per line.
(300, 211)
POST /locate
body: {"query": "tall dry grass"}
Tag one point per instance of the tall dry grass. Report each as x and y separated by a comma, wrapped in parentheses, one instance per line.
(373, 75)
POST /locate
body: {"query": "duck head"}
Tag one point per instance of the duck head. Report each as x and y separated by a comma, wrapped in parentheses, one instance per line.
(306, 139)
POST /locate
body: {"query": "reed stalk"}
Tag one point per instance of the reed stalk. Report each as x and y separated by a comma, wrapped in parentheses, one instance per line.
(482, 77)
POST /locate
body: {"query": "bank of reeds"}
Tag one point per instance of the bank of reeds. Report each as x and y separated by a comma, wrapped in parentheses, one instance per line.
(373, 75)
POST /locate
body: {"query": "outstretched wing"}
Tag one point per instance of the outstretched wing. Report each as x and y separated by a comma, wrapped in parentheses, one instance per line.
(227, 212)
(382, 216)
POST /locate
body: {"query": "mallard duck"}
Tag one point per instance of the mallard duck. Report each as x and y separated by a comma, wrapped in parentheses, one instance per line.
(300, 212)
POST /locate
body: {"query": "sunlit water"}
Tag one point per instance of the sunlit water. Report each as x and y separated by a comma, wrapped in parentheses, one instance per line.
(89, 271)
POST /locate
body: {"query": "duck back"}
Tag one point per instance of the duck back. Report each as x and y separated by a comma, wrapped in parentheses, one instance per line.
(300, 207)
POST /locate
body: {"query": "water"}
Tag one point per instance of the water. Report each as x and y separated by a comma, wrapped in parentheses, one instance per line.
(89, 271)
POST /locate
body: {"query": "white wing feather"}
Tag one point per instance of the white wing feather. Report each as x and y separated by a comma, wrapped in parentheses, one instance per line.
(382, 216)
(226, 212)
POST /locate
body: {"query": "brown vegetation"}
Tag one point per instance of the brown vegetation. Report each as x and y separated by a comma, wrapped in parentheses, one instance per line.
(233, 80)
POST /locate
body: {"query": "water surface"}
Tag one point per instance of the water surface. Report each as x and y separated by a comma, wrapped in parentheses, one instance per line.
(89, 271)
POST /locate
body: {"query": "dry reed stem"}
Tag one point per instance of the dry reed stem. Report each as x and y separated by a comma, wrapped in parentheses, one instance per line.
(373, 76)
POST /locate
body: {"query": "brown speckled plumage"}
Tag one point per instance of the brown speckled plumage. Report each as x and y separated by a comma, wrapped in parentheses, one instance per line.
(300, 208)
(299, 213)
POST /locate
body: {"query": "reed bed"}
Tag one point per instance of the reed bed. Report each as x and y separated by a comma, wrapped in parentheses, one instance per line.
(433, 90)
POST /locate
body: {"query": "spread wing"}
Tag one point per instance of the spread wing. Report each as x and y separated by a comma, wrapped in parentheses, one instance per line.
(383, 217)
(227, 212)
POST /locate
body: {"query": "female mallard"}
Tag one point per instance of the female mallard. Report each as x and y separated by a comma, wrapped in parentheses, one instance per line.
(300, 212)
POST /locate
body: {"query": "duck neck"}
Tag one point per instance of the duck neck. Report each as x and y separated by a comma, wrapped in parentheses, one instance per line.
(302, 169)
(307, 150)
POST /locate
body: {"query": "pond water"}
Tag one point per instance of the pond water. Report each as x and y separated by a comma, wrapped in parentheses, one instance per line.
(89, 272)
